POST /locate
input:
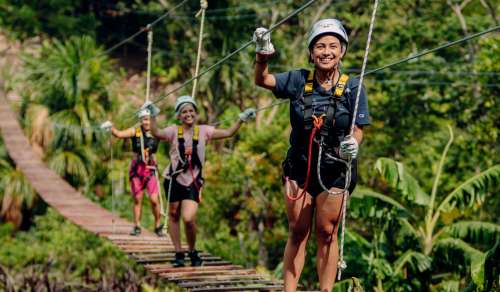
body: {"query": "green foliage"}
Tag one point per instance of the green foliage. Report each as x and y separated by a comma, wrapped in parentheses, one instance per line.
(15, 191)
(396, 240)
(59, 18)
(68, 257)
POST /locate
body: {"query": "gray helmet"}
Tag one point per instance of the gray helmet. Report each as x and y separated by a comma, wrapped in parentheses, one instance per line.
(183, 100)
(328, 26)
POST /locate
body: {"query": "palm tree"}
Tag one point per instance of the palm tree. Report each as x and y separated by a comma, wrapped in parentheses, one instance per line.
(66, 97)
(428, 233)
(15, 191)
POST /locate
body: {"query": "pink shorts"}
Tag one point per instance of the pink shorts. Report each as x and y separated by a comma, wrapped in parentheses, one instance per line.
(142, 177)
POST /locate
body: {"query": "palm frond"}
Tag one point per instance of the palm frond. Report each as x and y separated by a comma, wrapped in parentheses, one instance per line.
(475, 258)
(69, 165)
(396, 175)
(476, 231)
(358, 238)
(68, 132)
(416, 260)
(448, 286)
(472, 190)
(16, 187)
(362, 193)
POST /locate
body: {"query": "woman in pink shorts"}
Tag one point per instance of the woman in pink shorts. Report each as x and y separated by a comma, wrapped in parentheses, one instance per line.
(142, 168)
(183, 178)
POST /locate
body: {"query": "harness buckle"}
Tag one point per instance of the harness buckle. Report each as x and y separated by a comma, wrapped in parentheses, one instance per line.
(318, 121)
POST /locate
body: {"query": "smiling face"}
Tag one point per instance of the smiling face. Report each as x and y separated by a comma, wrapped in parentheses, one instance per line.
(327, 52)
(146, 123)
(187, 114)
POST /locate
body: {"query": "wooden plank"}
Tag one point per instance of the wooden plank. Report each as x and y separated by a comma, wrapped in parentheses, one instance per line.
(195, 269)
(240, 288)
(190, 275)
(223, 282)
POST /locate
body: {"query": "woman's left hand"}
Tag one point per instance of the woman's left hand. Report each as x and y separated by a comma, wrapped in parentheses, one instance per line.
(348, 148)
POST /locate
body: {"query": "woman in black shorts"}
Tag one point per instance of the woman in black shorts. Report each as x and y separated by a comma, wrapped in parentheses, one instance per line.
(183, 178)
(321, 111)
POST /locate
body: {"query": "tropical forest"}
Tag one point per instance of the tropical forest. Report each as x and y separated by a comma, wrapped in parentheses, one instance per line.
(424, 215)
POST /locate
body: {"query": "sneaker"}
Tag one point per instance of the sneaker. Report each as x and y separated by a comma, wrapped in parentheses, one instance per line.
(179, 260)
(159, 231)
(136, 231)
(196, 261)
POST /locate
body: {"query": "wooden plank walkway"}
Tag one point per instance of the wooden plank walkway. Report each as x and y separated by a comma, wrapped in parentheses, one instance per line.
(147, 249)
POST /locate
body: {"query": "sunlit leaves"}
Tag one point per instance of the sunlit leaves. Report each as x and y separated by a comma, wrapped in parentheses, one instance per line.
(398, 177)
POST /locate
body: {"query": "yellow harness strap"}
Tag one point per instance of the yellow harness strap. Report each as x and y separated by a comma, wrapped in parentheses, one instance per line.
(308, 88)
(196, 133)
(339, 89)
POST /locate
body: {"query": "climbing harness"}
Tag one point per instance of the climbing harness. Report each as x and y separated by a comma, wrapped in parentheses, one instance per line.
(318, 122)
(143, 143)
(204, 6)
(322, 125)
(185, 163)
(188, 158)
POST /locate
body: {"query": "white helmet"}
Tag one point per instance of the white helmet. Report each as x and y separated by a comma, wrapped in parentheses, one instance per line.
(328, 26)
(143, 112)
(182, 100)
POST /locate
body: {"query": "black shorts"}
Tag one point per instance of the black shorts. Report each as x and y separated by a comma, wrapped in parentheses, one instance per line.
(332, 173)
(181, 192)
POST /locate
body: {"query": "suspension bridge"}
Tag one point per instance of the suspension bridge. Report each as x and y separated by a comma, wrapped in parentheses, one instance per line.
(149, 250)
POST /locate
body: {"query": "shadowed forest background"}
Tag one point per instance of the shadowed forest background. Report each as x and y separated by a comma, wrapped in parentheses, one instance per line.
(423, 217)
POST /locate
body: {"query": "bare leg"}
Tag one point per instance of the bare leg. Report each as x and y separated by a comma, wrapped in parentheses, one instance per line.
(328, 212)
(137, 208)
(173, 224)
(155, 206)
(299, 215)
(188, 211)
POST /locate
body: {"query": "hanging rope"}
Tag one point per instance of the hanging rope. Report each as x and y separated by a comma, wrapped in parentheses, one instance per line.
(342, 264)
(112, 183)
(204, 6)
(150, 48)
(160, 197)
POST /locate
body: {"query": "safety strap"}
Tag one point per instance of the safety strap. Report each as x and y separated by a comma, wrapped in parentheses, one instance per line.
(138, 134)
(332, 107)
(308, 110)
(181, 150)
(196, 133)
(330, 115)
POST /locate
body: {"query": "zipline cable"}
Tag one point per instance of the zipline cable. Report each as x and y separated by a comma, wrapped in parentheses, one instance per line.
(133, 36)
(426, 52)
(230, 55)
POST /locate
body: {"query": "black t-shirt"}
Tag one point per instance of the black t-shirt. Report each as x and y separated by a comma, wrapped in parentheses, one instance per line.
(290, 85)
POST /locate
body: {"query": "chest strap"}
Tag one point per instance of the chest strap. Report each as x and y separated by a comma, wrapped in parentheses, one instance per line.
(195, 160)
(308, 100)
(139, 135)
(332, 108)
